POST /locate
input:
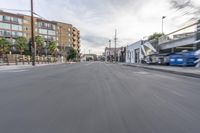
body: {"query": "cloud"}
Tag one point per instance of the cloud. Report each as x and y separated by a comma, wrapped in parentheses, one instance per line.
(98, 19)
(181, 4)
(189, 8)
(95, 40)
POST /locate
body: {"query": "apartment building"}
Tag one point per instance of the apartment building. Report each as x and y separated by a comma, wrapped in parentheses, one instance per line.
(11, 26)
(76, 39)
(15, 25)
(65, 35)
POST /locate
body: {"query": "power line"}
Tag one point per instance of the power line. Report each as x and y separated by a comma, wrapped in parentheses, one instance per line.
(39, 15)
(18, 10)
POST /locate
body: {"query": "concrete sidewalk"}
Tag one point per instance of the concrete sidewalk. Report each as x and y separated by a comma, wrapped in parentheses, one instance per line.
(16, 67)
(185, 71)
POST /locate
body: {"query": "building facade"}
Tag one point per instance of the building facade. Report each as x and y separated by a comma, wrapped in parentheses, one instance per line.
(109, 54)
(76, 39)
(16, 25)
(11, 26)
(134, 52)
(120, 54)
(65, 35)
(89, 57)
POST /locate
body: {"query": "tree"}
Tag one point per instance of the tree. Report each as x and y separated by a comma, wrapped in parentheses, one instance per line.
(39, 43)
(4, 46)
(21, 44)
(52, 47)
(72, 54)
(155, 36)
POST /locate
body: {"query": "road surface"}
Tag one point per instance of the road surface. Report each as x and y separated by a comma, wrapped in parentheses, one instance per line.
(97, 98)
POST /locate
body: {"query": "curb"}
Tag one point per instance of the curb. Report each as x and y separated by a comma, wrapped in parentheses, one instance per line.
(168, 71)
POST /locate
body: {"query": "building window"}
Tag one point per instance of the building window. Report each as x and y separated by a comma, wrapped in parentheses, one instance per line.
(6, 18)
(1, 33)
(51, 26)
(5, 33)
(17, 34)
(16, 27)
(51, 32)
(4, 26)
(16, 20)
(1, 17)
(51, 38)
(42, 25)
(42, 31)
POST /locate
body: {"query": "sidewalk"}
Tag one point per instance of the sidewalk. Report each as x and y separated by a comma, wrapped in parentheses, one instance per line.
(185, 71)
(20, 66)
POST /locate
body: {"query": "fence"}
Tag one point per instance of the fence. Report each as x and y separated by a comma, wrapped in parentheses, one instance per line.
(10, 59)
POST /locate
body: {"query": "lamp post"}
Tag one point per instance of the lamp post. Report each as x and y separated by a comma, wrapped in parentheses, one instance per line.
(163, 17)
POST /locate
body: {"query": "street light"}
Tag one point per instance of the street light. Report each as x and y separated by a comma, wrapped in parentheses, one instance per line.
(163, 17)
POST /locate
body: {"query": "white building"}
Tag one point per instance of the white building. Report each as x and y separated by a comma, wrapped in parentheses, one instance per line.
(109, 54)
(88, 57)
(134, 52)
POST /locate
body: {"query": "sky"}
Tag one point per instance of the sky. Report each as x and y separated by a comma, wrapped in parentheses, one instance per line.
(98, 19)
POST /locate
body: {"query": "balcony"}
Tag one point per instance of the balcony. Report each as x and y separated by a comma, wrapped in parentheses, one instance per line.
(13, 21)
(74, 38)
(5, 34)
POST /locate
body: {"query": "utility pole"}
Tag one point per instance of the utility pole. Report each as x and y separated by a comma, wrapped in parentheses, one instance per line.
(33, 49)
(115, 39)
(109, 50)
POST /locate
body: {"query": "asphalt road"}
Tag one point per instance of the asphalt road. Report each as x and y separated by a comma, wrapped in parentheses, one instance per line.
(97, 98)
